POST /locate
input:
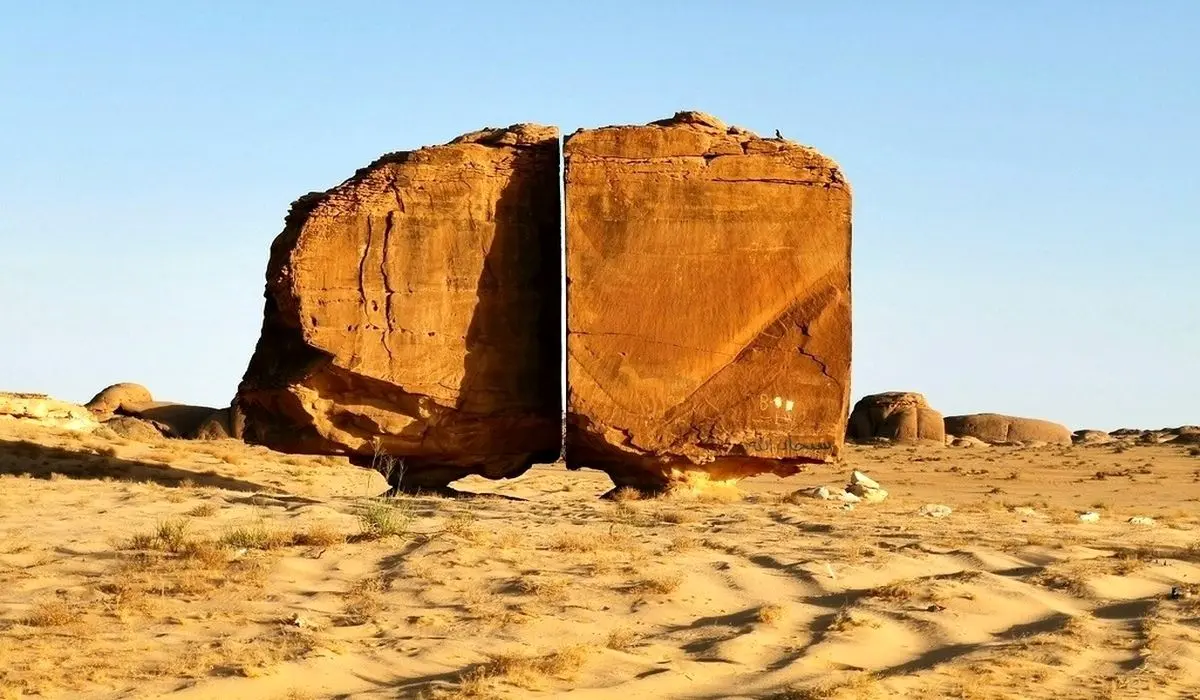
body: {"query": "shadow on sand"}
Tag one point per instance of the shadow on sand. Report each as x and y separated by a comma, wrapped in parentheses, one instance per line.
(20, 457)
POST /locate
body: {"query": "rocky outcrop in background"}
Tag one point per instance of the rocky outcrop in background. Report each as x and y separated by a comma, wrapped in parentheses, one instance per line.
(902, 416)
(43, 410)
(415, 309)
(708, 310)
(130, 410)
(997, 429)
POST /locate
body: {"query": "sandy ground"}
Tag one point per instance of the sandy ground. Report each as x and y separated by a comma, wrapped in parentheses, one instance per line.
(217, 570)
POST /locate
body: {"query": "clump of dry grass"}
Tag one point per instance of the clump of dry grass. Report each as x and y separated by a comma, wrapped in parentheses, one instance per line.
(462, 524)
(50, 613)
(897, 591)
(363, 601)
(532, 672)
(626, 493)
(660, 584)
(551, 589)
(204, 510)
(677, 517)
(258, 536)
(586, 542)
(622, 639)
(383, 519)
(860, 685)
(172, 534)
(769, 614)
(320, 535)
(683, 542)
(847, 619)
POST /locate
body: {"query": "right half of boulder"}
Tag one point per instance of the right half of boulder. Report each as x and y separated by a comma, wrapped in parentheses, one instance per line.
(708, 302)
(999, 429)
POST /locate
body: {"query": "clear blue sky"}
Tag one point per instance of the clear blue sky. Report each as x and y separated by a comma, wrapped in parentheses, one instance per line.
(1026, 237)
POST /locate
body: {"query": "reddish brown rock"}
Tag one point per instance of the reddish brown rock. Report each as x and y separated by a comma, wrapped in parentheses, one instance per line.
(997, 429)
(902, 416)
(708, 302)
(418, 303)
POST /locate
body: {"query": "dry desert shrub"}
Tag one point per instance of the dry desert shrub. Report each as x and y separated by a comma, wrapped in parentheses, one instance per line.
(204, 510)
(50, 613)
(587, 542)
(858, 687)
(847, 619)
(363, 601)
(383, 519)
(897, 591)
(258, 536)
(625, 493)
(622, 639)
(532, 672)
(547, 588)
(660, 584)
(683, 542)
(320, 535)
(769, 614)
(677, 517)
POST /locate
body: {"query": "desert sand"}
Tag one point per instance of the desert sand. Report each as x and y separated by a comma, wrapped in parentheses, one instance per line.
(194, 569)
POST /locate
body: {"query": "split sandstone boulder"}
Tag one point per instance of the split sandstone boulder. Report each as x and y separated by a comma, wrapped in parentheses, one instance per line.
(708, 309)
(415, 309)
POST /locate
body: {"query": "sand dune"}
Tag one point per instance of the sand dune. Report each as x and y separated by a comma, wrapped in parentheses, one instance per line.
(214, 569)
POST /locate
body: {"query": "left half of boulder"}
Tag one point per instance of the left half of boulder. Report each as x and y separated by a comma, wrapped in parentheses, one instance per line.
(414, 311)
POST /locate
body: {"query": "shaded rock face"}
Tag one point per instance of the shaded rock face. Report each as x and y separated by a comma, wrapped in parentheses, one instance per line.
(902, 416)
(216, 426)
(1090, 437)
(708, 302)
(135, 428)
(418, 304)
(175, 420)
(996, 429)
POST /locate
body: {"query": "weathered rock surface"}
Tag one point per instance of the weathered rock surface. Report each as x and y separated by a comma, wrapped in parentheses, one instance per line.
(902, 416)
(135, 428)
(708, 302)
(419, 303)
(175, 420)
(1090, 437)
(216, 426)
(866, 488)
(996, 429)
(111, 398)
(43, 410)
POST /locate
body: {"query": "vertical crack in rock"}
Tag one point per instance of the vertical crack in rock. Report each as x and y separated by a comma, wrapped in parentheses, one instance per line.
(388, 224)
(685, 240)
(463, 380)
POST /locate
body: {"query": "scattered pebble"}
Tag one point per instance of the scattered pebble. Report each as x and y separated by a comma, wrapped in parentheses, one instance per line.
(1026, 510)
(1141, 520)
(935, 510)
(1089, 517)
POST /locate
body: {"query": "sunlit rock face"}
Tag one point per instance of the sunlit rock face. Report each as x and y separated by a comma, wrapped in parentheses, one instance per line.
(414, 310)
(708, 302)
